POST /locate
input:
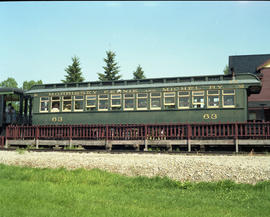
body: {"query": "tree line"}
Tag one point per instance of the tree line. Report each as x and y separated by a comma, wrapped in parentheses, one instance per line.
(111, 70)
(11, 82)
(74, 73)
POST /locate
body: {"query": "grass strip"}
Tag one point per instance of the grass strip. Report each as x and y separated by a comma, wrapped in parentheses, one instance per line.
(59, 192)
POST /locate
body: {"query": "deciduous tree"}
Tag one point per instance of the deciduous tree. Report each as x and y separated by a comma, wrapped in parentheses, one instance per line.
(226, 70)
(28, 84)
(10, 82)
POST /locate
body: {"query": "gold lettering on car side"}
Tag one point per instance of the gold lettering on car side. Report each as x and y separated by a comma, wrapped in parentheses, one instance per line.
(165, 89)
(210, 116)
(213, 116)
(206, 116)
(57, 119)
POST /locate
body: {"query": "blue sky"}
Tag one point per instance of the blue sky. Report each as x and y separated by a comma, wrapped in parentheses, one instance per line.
(38, 39)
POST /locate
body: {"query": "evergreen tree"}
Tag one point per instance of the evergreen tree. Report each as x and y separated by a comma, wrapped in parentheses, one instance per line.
(28, 84)
(111, 68)
(10, 82)
(74, 73)
(139, 73)
(226, 70)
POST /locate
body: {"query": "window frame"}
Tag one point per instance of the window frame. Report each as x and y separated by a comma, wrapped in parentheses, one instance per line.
(107, 98)
(111, 100)
(48, 101)
(155, 97)
(198, 103)
(228, 94)
(164, 97)
(90, 106)
(216, 94)
(184, 96)
(169, 104)
(137, 101)
(63, 100)
(78, 110)
(124, 103)
(52, 100)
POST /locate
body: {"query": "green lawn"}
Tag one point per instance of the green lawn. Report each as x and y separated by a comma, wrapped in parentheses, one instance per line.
(47, 192)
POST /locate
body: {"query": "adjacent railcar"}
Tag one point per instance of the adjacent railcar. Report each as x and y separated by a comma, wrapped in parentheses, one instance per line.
(214, 98)
(21, 104)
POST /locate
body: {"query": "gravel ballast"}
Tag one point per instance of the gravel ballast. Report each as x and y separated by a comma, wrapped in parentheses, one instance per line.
(195, 168)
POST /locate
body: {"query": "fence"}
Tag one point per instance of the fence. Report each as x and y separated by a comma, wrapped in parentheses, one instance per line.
(2, 141)
(248, 130)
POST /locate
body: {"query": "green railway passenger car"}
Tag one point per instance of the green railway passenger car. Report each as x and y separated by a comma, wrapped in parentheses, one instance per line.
(214, 98)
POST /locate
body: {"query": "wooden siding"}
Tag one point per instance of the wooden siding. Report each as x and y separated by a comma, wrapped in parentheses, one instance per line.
(265, 92)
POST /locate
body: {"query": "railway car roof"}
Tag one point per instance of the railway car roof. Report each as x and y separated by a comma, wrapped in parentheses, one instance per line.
(9, 90)
(148, 83)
